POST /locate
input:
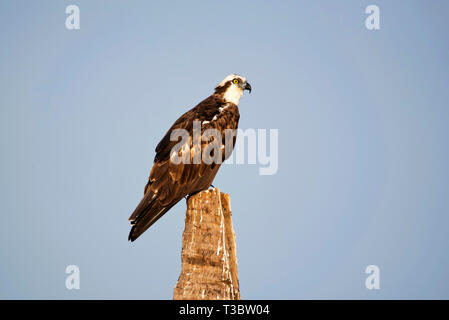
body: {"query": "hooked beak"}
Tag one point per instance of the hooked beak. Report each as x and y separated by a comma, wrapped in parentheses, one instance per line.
(248, 87)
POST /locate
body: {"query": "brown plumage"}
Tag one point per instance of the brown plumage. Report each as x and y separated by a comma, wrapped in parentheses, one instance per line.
(169, 182)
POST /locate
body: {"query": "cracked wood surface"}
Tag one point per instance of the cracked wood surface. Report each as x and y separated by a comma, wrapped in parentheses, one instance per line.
(209, 259)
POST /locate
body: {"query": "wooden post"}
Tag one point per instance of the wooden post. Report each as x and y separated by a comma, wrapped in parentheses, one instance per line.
(209, 259)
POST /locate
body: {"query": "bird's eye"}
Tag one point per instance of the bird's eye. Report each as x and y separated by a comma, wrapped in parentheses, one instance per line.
(235, 81)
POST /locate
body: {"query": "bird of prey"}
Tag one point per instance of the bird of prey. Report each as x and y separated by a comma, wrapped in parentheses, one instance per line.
(171, 181)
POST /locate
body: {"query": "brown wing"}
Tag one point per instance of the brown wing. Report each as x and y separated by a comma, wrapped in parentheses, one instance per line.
(169, 182)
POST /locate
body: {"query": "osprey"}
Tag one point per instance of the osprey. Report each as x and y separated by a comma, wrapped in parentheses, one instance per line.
(169, 180)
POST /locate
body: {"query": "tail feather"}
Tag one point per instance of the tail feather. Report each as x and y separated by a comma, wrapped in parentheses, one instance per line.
(143, 205)
(146, 218)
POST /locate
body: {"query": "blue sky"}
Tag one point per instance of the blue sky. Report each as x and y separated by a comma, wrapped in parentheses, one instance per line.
(362, 118)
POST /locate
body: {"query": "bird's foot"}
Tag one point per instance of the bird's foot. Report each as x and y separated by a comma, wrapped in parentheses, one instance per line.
(192, 194)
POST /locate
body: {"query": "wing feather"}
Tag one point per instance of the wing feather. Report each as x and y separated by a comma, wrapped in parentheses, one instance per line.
(168, 183)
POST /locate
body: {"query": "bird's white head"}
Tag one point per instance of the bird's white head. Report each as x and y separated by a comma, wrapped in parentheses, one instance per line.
(232, 87)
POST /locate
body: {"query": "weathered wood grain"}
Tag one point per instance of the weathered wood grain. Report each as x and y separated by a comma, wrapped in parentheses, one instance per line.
(209, 259)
